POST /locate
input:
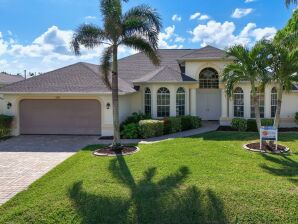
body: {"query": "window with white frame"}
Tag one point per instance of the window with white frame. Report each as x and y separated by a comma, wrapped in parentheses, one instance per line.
(208, 79)
(238, 102)
(147, 101)
(261, 102)
(163, 102)
(273, 101)
(180, 102)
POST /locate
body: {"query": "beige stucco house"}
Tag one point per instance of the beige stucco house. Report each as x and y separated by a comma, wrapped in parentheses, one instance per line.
(74, 99)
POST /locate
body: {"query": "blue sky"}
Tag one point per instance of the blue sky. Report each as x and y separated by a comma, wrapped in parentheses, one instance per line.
(35, 34)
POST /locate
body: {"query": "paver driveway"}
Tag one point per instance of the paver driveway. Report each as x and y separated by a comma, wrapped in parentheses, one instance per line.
(24, 159)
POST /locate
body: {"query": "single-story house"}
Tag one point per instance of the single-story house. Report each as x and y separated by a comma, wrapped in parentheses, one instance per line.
(74, 99)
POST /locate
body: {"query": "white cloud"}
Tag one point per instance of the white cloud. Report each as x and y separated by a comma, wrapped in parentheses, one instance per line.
(165, 38)
(239, 13)
(90, 17)
(204, 17)
(249, 1)
(179, 39)
(223, 35)
(176, 18)
(3, 45)
(194, 16)
(9, 33)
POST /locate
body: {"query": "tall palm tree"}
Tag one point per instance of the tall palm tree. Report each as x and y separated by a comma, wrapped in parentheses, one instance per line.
(248, 65)
(283, 66)
(138, 28)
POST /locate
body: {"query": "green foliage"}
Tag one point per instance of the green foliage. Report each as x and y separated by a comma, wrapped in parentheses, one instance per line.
(130, 131)
(151, 128)
(239, 124)
(252, 124)
(5, 124)
(296, 118)
(134, 118)
(172, 125)
(190, 122)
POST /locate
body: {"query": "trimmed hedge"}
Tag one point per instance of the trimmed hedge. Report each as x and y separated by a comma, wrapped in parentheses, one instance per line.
(5, 125)
(151, 128)
(239, 124)
(172, 125)
(134, 118)
(190, 122)
(130, 131)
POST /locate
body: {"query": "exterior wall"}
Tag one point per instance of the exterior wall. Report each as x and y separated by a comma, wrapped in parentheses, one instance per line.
(289, 106)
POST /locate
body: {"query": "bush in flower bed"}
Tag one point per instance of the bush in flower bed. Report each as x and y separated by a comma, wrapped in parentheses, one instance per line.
(239, 124)
(5, 125)
(190, 122)
(151, 128)
(252, 124)
(172, 125)
(130, 131)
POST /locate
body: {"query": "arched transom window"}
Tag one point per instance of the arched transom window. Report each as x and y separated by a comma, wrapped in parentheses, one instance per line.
(163, 102)
(273, 101)
(180, 102)
(208, 79)
(261, 101)
(147, 101)
(238, 102)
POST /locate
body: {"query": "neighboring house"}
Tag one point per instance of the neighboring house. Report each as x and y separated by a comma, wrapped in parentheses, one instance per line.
(6, 79)
(74, 99)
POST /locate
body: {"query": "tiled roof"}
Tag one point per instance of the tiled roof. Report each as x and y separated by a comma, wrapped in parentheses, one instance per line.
(164, 74)
(207, 52)
(7, 78)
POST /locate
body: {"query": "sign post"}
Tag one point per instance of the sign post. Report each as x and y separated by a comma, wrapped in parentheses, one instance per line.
(268, 133)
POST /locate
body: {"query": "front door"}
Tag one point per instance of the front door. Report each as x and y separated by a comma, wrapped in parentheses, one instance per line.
(209, 104)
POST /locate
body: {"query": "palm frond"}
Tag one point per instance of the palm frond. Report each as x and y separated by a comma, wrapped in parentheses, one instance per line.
(232, 74)
(106, 65)
(143, 45)
(89, 36)
(291, 40)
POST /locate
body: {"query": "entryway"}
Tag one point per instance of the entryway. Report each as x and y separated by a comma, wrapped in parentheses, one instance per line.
(209, 104)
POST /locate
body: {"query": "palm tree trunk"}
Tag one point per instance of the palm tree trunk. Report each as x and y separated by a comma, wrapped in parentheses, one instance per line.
(256, 106)
(278, 106)
(115, 100)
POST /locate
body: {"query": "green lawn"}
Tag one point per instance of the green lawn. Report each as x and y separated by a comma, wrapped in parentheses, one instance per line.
(203, 179)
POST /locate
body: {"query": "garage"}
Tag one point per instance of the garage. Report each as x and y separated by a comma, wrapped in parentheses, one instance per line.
(60, 117)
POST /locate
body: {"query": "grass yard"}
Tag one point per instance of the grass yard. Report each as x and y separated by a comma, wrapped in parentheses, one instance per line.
(203, 179)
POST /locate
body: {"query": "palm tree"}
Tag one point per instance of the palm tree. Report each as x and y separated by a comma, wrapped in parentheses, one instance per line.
(138, 28)
(289, 2)
(283, 66)
(248, 65)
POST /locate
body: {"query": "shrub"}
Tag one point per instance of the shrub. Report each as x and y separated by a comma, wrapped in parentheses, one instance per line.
(5, 125)
(296, 118)
(252, 124)
(190, 122)
(172, 125)
(151, 128)
(134, 118)
(239, 124)
(130, 131)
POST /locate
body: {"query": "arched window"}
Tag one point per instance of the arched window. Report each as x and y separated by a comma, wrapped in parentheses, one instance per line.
(273, 101)
(208, 79)
(238, 102)
(261, 100)
(180, 102)
(163, 102)
(147, 101)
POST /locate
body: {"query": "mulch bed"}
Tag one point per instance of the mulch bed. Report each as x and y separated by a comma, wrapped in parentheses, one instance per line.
(108, 151)
(255, 147)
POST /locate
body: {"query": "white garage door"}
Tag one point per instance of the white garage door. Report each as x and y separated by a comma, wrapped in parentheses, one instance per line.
(74, 117)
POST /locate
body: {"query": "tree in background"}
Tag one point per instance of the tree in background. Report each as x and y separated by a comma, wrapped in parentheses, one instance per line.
(138, 28)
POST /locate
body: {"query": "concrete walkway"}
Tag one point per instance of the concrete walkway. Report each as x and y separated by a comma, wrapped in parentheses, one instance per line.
(24, 159)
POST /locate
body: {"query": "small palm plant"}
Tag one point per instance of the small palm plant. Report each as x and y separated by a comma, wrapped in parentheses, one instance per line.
(138, 28)
(248, 65)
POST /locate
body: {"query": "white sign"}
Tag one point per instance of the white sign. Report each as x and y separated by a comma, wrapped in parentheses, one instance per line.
(268, 133)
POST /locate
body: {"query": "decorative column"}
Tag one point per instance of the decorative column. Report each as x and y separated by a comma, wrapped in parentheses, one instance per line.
(154, 101)
(224, 106)
(172, 101)
(267, 103)
(193, 102)
(247, 103)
